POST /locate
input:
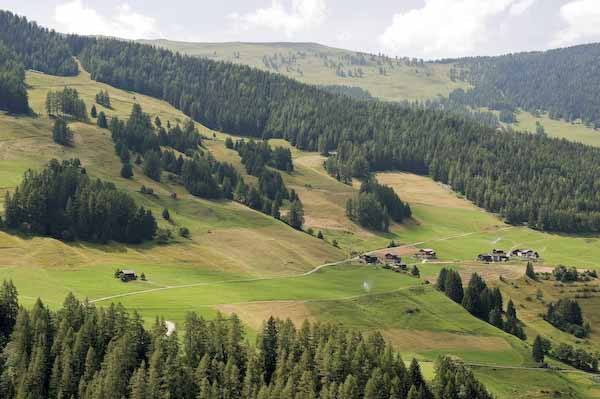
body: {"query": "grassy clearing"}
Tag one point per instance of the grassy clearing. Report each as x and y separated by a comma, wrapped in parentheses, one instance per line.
(576, 131)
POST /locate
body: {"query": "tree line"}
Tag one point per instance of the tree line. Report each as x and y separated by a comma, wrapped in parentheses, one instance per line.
(82, 352)
(481, 301)
(63, 202)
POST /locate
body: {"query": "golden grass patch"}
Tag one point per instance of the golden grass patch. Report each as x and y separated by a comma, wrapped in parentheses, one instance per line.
(255, 313)
(417, 189)
(421, 340)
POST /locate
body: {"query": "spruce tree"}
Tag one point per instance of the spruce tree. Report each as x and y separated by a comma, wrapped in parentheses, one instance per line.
(529, 272)
(93, 111)
(9, 310)
(61, 134)
(472, 297)
(537, 350)
(495, 318)
(101, 121)
(295, 216)
(126, 170)
(152, 165)
(441, 280)
(453, 286)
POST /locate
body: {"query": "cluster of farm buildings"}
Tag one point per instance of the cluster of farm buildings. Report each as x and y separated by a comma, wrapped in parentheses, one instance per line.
(395, 261)
(499, 255)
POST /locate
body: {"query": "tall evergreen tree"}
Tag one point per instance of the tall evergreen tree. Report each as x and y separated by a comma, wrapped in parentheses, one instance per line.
(537, 351)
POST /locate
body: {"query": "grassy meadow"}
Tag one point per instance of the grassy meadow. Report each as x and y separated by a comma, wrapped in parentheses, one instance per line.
(316, 64)
(238, 260)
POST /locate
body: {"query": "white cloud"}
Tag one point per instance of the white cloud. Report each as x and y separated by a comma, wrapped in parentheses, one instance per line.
(583, 22)
(75, 17)
(446, 28)
(298, 16)
(521, 6)
(344, 36)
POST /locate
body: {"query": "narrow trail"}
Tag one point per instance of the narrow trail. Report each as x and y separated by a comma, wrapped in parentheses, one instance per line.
(296, 275)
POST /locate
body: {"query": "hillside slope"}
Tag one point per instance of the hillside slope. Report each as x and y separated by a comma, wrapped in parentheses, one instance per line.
(383, 77)
(403, 79)
(219, 230)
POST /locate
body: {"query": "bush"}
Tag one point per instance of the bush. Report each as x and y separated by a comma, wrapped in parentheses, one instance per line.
(163, 236)
(184, 232)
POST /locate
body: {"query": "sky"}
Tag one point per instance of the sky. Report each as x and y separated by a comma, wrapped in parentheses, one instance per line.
(429, 29)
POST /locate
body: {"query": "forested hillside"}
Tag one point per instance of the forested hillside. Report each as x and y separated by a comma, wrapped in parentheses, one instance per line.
(39, 48)
(514, 174)
(525, 178)
(563, 82)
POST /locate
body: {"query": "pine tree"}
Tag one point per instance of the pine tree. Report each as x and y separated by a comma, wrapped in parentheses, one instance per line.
(441, 280)
(93, 112)
(472, 297)
(101, 121)
(268, 348)
(61, 134)
(454, 287)
(152, 165)
(349, 390)
(295, 216)
(165, 214)
(537, 351)
(495, 318)
(529, 272)
(126, 170)
(9, 310)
